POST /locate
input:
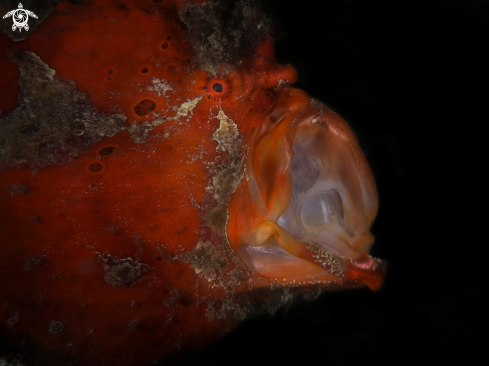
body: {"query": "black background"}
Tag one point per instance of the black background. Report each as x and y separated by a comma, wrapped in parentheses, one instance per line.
(409, 77)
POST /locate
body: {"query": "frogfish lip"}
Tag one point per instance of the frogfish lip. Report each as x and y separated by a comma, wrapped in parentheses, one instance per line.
(303, 211)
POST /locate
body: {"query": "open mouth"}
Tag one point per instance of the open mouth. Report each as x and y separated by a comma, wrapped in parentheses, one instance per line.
(303, 212)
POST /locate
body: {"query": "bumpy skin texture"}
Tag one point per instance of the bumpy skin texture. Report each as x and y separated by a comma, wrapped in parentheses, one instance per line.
(113, 248)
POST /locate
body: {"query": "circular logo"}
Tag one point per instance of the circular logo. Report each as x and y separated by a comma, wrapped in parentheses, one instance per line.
(20, 17)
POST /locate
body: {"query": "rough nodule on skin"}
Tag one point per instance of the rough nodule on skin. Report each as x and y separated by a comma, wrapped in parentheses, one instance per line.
(56, 327)
(220, 31)
(121, 272)
(41, 8)
(54, 122)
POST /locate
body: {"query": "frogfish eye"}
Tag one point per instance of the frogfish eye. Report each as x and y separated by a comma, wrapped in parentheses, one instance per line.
(303, 214)
(218, 88)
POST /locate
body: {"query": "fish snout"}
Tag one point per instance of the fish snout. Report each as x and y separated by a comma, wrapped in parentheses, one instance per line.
(303, 212)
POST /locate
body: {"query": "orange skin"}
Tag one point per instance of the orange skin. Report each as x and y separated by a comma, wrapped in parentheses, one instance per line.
(138, 203)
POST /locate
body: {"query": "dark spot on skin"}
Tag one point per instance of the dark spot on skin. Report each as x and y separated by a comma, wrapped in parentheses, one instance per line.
(122, 7)
(36, 219)
(158, 1)
(56, 327)
(106, 150)
(109, 78)
(144, 107)
(181, 231)
(168, 38)
(171, 69)
(110, 71)
(158, 259)
(217, 87)
(95, 167)
(184, 301)
(169, 148)
(144, 70)
(164, 45)
(154, 228)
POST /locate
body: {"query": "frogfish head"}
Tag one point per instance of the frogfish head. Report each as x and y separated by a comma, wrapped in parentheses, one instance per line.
(304, 210)
(163, 181)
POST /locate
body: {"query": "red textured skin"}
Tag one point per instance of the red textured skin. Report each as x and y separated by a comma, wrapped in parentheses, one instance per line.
(139, 206)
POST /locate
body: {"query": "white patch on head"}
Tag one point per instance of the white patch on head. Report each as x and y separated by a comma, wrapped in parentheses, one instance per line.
(160, 86)
(186, 108)
(227, 133)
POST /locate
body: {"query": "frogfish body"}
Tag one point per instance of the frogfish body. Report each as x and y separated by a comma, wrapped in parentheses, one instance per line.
(160, 181)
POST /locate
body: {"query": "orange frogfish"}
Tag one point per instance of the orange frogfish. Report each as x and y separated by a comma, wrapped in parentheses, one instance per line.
(160, 181)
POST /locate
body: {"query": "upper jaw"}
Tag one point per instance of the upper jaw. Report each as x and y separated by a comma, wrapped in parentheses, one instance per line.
(304, 210)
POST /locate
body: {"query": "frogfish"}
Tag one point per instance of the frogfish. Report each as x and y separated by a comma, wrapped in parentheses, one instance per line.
(161, 181)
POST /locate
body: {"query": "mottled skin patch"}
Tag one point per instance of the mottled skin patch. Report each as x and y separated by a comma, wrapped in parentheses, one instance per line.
(121, 272)
(54, 122)
(220, 33)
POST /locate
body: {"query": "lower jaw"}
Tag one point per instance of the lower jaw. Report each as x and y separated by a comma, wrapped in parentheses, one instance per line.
(305, 220)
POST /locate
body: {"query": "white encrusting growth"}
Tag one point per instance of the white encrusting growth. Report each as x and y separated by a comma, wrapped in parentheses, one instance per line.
(227, 133)
(160, 86)
(186, 108)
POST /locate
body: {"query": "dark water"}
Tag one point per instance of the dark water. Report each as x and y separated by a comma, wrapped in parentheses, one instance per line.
(409, 78)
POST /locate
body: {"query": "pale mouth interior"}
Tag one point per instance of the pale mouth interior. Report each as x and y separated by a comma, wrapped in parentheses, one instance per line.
(327, 204)
(319, 201)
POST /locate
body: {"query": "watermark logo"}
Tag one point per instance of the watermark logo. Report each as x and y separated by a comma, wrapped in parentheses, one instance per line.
(20, 17)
